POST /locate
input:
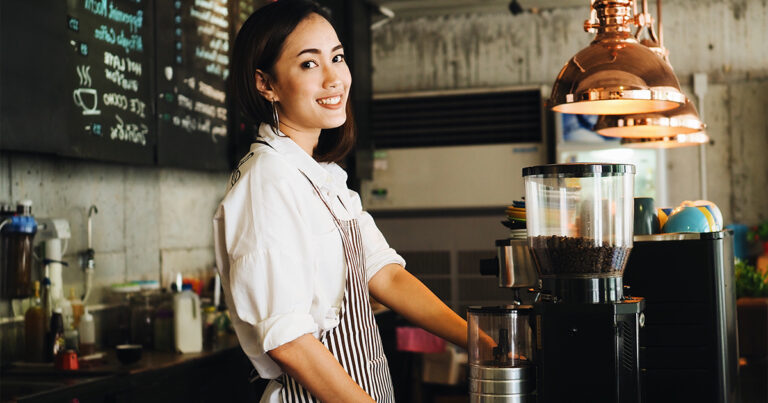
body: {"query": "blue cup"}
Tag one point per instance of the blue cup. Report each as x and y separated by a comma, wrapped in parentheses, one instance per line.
(690, 219)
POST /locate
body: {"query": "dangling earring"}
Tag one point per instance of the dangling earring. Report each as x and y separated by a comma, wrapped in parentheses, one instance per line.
(275, 119)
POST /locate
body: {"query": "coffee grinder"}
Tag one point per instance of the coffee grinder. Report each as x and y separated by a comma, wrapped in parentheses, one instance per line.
(500, 339)
(579, 225)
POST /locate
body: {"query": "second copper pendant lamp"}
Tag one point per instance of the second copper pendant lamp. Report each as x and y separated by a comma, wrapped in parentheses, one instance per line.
(673, 128)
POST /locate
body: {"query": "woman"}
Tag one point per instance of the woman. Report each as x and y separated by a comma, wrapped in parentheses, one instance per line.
(297, 255)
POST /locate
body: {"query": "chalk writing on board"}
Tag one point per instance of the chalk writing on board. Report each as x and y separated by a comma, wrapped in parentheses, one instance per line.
(185, 102)
(112, 12)
(211, 92)
(131, 132)
(122, 63)
(112, 81)
(110, 36)
(119, 78)
(115, 99)
(193, 99)
(134, 105)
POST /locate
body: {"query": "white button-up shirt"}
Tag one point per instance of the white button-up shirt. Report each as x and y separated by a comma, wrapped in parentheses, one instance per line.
(278, 250)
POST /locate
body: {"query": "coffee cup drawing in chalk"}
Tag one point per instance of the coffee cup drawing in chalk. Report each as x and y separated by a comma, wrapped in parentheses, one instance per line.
(88, 100)
(690, 219)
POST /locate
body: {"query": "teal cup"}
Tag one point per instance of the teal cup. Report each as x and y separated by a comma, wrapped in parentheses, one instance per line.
(690, 219)
(646, 221)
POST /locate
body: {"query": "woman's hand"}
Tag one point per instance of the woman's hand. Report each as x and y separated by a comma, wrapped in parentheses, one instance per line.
(308, 361)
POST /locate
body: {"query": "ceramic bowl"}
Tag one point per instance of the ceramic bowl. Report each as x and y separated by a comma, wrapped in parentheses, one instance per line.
(128, 353)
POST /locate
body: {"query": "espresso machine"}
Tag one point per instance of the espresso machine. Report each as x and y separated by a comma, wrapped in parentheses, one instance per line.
(584, 328)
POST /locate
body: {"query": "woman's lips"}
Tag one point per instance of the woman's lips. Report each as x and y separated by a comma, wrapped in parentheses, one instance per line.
(333, 102)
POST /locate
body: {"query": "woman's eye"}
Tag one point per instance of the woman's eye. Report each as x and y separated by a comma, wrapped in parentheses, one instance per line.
(309, 64)
(338, 58)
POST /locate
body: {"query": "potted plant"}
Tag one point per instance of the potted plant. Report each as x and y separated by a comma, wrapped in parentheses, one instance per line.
(752, 309)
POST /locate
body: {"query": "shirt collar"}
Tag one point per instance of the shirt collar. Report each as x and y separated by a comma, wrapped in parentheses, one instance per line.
(322, 175)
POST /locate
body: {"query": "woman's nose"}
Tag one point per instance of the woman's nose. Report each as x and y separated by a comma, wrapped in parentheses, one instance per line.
(332, 78)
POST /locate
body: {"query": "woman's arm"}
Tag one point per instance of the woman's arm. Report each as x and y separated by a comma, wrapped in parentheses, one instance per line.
(399, 290)
(314, 367)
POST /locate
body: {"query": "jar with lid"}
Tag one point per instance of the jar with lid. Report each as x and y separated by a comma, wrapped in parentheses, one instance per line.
(16, 234)
(142, 319)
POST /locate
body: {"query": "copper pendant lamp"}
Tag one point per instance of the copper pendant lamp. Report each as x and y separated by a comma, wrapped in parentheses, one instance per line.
(673, 128)
(615, 74)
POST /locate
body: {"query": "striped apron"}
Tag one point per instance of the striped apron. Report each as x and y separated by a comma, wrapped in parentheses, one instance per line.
(355, 342)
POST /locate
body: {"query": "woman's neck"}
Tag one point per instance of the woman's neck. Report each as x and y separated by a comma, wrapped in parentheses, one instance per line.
(306, 139)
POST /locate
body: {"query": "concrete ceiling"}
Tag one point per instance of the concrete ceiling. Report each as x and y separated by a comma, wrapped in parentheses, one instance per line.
(415, 8)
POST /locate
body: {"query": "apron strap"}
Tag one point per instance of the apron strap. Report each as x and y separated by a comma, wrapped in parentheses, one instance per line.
(320, 195)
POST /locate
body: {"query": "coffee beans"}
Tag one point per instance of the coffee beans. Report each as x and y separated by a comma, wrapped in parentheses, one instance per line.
(562, 255)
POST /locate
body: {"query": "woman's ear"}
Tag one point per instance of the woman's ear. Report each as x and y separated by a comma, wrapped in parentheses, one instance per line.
(264, 86)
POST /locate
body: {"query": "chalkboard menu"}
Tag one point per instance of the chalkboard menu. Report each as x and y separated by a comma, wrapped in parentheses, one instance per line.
(110, 79)
(77, 79)
(132, 81)
(192, 68)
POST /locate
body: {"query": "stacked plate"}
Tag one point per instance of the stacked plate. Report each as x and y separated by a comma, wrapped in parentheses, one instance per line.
(515, 215)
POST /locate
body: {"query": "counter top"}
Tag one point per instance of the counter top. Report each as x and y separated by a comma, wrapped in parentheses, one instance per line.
(24, 382)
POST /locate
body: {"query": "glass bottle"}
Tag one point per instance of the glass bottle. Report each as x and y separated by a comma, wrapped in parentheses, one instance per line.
(34, 329)
(57, 344)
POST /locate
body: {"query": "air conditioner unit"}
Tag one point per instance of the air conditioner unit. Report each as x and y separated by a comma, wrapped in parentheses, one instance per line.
(453, 149)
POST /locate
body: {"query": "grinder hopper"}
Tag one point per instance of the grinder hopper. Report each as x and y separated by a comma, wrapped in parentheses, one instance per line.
(579, 219)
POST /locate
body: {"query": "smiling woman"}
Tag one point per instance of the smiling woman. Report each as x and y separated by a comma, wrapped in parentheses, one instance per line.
(309, 83)
(297, 254)
(282, 71)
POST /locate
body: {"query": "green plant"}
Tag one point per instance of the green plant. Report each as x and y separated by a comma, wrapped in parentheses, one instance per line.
(758, 232)
(749, 281)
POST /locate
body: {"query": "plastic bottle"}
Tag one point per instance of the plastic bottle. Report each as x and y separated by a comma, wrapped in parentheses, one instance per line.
(87, 334)
(72, 339)
(187, 321)
(34, 329)
(66, 311)
(77, 307)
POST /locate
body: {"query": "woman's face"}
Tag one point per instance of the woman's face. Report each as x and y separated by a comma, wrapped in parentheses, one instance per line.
(311, 79)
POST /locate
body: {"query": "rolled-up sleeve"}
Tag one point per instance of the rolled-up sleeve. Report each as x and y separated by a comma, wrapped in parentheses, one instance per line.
(268, 270)
(377, 251)
(272, 292)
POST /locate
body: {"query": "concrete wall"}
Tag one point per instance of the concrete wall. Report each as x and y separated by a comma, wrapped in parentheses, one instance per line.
(151, 222)
(724, 39)
(155, 222)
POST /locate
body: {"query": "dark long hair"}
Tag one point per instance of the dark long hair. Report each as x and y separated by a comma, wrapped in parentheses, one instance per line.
(257, 47)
